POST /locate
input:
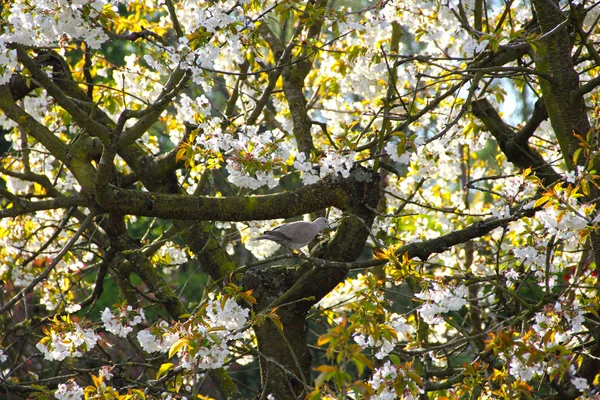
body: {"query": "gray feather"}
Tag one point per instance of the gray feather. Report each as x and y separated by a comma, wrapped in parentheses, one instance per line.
(295, 235)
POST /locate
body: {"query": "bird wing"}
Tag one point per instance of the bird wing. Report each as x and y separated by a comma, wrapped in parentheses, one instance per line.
(277, 235)
(298, 232)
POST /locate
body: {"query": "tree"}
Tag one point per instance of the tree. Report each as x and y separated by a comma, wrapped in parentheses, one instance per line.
(452, 145)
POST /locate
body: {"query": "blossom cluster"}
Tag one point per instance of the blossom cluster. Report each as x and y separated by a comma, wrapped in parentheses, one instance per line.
(338, 299)
(254, 155)
(202, 341)
(440, 300)
(383, 345)
(562, 323)
(67, 339)
(45, 23)
(8, 61)
(169, 256)
(68, 391)
(332, 164)
(158, 338)
(122, 324)
(547, 348)
(385, 378)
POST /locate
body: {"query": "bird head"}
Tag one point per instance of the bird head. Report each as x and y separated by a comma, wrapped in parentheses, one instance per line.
(321, 223)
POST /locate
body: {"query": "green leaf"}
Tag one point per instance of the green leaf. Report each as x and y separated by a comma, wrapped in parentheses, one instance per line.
(395, 359)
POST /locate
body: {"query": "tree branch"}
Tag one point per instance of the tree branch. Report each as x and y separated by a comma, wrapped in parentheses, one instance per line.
(516, 148)
(148, 116)
(75, 160)
(540, 114)
(293, 84)
(567, 114)
(304, 288)
(27, 207)
(78, 115)
(331, 191)
(50, 267)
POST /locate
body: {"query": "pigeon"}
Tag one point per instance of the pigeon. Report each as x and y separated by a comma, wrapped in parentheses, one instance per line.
(295, 235)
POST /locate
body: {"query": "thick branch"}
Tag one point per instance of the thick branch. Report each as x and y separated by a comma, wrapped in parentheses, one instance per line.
(31, 126)
(225, 384)
(174, 19)
(567, 113)
(213, 258)
(331, 191)
(540, 114)
(514, 147)
(27, 207)
(71, 157)
(305, 286)
(293, 85)
(19, 87)
(78, 114)
(148, 116)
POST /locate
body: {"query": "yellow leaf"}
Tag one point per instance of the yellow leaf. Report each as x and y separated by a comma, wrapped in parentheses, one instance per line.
(275, 318)
(585, 187)
(415, 377)
(180, 154)
(203, 397)
(380, 254)
(314, 395)
(323, 339)
(497, 375)
(178, 382)
(523, 387)
(326, 368)
(97, 381)
(89, 390)
(107, 10)
(178, 345)
(541, 201)
(164, 369)
(388, 331)
(468, 128)
(247, 297)
(576, 155)
(138, 392)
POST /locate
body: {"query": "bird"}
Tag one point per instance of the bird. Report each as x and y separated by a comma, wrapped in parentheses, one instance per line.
(295, 235)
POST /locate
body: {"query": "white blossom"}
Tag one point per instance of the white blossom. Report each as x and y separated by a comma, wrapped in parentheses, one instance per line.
(122, 324)
(69, 343)
(69, 391)
(580, 383)
(441, 300)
